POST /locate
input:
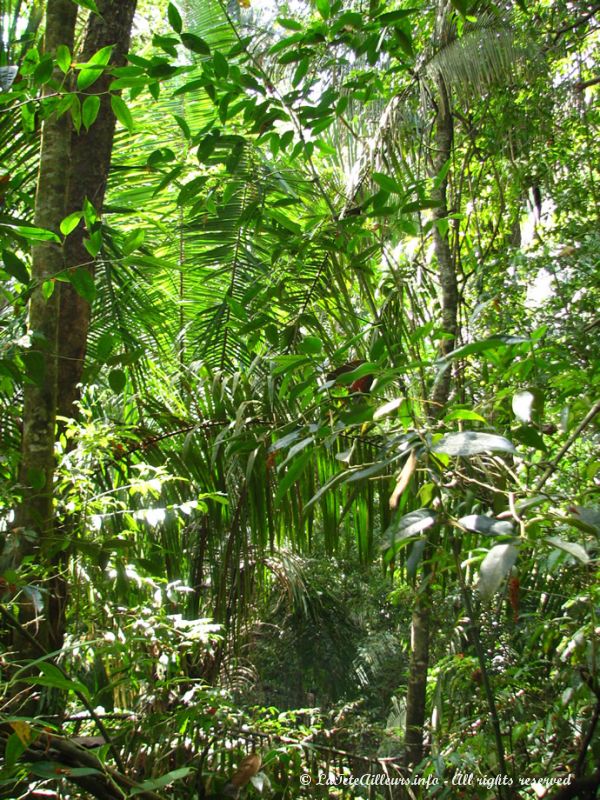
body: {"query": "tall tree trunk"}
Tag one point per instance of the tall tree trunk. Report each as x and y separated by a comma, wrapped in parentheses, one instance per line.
(90, 163)
(445, 259)
(72, 167)
(90, 156)
(35, 515)
(416, 705)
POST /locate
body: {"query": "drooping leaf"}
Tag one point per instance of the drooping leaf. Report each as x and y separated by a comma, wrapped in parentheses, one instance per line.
(494, 569)
(117, 380)
(89, 110)
(163, 780)
(174, 16)
(387, 184)
(15, 267)
(573, 548)
(491, 343)
(195, 44)
(406, 474)
(407, 527)
(84, 284)
(121, 111)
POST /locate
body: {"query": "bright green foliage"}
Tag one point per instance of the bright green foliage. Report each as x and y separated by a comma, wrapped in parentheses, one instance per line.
(244, 507)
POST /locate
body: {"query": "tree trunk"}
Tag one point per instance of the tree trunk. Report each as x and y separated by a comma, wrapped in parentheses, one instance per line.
(72, 167)
(416, 706)
(445, 259)
(35, 515)
(90, 163)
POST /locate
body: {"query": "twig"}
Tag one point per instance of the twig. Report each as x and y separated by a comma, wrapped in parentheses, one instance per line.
(555, 462)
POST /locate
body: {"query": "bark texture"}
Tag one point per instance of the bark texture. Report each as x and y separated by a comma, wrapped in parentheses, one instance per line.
(88, 175)
(72, 167)
(35, 518)
(445, 259)
(416, 706)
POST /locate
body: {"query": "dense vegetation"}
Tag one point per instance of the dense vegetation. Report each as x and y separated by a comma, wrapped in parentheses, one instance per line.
(299, 398)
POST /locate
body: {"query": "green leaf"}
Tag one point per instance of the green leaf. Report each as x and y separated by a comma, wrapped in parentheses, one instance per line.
(52, 676)
(390, 17)
(133, 241)
(36, 478)
(117, 380)
(76, 113)
(530, 437)
(294, 471)
(220, 65)
(164, 780)
(310, 345)
(289, 24)
(491, 343)
(462, 6)
(587, 518)
(89, 110)
(573, 548)
(30, 232)
(15, 267)
(405, 528)
(94, 244)
(387, 184)
(105, 346)
(43, 71)
(91, 4)
(195, 44)
(494, 568)
(347, 378)
(174, 16)
(301, 71)
(323, 8)
(388, 408)
(70, 223)
(471, 443)
(14, 750)
(92, 69)
(121, 112)
(464, 413)
(63, 58)
(83, 283)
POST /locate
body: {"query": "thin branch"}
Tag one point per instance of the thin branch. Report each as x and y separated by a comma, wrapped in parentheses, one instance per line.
(572, 438)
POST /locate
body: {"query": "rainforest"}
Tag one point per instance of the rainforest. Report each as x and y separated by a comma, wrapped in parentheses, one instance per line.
(299, 399)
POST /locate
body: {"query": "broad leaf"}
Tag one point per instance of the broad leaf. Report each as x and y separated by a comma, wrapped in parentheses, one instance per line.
(488, 525)
(573, 548)
(494, 569)
(471, 443)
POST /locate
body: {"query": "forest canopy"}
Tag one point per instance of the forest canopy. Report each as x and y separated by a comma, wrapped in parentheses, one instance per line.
(299, 395)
